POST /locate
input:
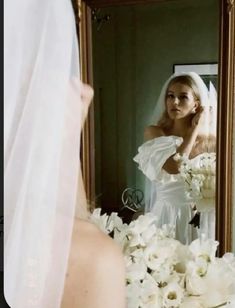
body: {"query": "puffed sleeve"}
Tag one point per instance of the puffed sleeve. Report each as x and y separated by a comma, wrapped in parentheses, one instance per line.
(153, 154)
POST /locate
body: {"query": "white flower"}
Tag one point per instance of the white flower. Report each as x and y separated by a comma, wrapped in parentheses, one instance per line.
(100, 221)
(148, 234)
(137, 255)
(200, 180)
(231, 302)
(135, 272)
(184, 255)
(142, 223)
(192, 302)
(219, 283)
(141, 230)
(229, 259)
(133, 291)
(163, 273)
(197, 268)
(120, 236)
(195, 281)
(150, 294)
(173, 295)
(204, 248)
(166, 231)
(115, 221)
(158, 252)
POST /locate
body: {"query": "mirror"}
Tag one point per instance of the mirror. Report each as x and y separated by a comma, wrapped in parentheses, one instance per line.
(121, 29)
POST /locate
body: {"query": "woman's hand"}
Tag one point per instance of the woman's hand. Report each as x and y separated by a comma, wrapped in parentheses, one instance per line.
(198, 118)
(87, 93)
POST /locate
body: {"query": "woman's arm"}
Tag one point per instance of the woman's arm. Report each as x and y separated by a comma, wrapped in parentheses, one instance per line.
(96, 271)
(171, 165)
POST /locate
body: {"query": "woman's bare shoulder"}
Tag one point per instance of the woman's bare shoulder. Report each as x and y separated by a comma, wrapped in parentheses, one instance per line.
(89, 240)
(96, 258)
(152, 132)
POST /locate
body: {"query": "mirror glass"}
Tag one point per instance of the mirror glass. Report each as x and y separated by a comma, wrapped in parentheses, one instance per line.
(136, 49)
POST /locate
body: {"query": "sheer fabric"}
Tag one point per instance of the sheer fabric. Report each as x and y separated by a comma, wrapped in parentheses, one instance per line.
(42, 122)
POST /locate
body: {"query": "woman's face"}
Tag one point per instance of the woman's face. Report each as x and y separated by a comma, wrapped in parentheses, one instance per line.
(180, 101)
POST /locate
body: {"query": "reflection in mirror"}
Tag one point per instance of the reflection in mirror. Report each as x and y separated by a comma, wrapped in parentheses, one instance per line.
(178, 157)
(134, 51)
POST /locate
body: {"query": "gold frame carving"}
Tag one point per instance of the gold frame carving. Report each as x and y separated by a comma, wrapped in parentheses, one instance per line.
(226, 95)
(224, 202)
(230, 4)
(87, 140)
(105, 3)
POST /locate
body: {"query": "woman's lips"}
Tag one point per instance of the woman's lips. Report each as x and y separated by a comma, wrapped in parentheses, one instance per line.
(175, 109)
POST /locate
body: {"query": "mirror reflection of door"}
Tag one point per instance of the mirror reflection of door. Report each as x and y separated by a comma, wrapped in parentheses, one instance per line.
(135, 49)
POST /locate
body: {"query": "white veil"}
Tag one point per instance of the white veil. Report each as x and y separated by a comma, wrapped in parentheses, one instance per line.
(208, 98)
(42, 124)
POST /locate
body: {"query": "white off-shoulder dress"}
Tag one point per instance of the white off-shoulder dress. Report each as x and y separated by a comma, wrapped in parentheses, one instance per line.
(165, 194)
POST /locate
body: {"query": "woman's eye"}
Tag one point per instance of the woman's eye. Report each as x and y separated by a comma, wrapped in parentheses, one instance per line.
(183, 97)
(170, 96)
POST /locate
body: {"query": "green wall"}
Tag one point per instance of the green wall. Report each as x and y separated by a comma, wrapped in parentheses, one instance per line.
(133, 54)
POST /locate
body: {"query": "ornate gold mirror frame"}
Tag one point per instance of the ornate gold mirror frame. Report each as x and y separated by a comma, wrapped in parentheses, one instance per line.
(224, 202)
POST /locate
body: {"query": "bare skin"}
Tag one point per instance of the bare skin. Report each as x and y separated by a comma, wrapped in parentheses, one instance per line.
(95, 276)
(187, 115)
(96, 272)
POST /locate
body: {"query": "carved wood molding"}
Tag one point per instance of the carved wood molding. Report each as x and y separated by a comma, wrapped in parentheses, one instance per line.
(230, 4)
(87, 140)
(106, 3)
(225, 129)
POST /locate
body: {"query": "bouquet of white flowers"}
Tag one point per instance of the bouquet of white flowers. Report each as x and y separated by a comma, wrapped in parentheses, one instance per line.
(200, 180)
(163, 273)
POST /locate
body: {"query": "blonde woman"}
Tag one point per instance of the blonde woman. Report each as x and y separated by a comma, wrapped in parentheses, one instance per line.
(184, 125)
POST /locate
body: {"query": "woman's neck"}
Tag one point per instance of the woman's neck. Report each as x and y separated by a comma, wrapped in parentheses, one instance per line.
(180, 127)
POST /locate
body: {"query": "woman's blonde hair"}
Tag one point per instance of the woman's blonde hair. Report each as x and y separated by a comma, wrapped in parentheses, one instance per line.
(165, 122)
(204, 143)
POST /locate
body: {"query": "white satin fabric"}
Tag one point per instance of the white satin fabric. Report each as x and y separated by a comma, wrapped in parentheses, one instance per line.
(42, 123)
(165, 193)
